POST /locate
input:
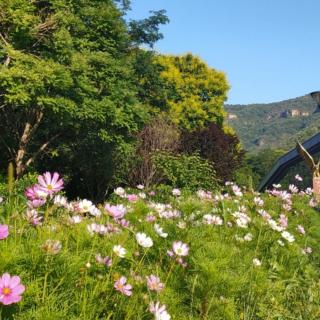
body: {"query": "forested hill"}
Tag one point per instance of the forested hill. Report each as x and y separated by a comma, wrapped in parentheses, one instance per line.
(274, 125)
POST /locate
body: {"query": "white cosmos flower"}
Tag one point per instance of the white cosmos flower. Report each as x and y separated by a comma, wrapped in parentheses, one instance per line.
(248, 237)
(119, 251)
(144, 240)
(120, 192)
(288, 236)
(212, 219)
(256, 262)
(75, 219)
(60, 201)
(160, 231)
(176, 192)
(85, 206)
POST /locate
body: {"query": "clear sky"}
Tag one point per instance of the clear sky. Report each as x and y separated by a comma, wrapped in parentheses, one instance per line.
(269, 49)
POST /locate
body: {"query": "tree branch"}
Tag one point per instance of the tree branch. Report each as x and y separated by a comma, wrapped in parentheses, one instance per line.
(41, 149)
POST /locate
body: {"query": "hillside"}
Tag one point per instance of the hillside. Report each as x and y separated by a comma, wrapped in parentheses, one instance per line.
(274, 125)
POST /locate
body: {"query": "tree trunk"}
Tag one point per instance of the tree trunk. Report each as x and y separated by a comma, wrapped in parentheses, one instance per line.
(28, 131)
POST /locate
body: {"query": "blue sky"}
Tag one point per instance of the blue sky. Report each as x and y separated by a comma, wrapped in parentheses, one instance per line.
(269, 49)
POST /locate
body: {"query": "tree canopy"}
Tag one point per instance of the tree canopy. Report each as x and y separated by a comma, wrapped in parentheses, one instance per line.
(195, 92)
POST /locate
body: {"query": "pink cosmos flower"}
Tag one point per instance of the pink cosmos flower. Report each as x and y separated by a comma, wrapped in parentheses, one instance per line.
(4, 231)
(180, 248)
(10, 289)
(32, 217)
(132, 197)
(298, 177)
(300, 229)
(31, 192)
(117, 212)
(50, 184)
(154, 283)
(121, 286)
(106, 260)
(36, 203)
(283, 221)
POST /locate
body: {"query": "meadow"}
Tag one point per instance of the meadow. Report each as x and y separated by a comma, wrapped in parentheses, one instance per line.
(159, 254)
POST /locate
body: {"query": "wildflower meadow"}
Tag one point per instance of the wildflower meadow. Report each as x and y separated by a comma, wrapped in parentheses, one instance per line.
(159, 254)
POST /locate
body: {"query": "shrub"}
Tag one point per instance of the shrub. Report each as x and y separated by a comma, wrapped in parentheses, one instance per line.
(222, 150)
(185, 171)
(160, 135)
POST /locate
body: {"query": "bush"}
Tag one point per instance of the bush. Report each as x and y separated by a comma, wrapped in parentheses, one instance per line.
(160, 135)
(222, 150)
(185, 171)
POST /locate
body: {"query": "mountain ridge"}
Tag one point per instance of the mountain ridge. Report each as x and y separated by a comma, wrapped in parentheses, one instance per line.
(276, 125)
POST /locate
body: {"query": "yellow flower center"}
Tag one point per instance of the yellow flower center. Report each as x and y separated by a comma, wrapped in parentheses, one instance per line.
(49, 186)
(6, 291)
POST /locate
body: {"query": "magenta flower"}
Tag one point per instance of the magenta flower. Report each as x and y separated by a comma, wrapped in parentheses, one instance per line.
(132, 197)
(36, 203)
(31, 192)
(10, 289)
(121, 286)
(4, 231)
(154, 283)
(50, 184)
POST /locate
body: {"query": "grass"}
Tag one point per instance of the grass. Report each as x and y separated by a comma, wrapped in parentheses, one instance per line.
(220, 280)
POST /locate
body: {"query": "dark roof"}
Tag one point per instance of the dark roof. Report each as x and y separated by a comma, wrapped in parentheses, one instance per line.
(288, 160)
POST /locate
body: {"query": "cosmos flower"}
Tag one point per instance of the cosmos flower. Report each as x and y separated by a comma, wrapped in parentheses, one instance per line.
(50, 183)
(176, 192)
(154, 283)
(144, 240)
(33, 217)
(288, 236)
(117, 212)
(119, 251)
(212, 219)
(51, 246)
(132, 197)
(160, 312)
(298, 178)
(107, 261)
(10, 289)
(300, 229)
(180, 248)
(60, 201)
(85, 206)
(159, 231)
(4, 231)
(256, 262)
(75, 219)
(122, 286)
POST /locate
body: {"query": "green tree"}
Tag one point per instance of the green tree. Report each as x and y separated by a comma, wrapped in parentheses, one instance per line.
(195, 92)
(67, 81)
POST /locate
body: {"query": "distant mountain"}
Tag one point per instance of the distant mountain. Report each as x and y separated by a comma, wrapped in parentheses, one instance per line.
(274, 125)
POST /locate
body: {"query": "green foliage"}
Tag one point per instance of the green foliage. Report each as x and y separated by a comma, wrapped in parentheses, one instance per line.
(186, 171)
(69, 91)
(195, 92)
(220, 280)
(261, 163)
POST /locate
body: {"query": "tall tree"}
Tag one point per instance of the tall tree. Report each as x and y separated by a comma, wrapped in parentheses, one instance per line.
(66, 71)
(195, 92)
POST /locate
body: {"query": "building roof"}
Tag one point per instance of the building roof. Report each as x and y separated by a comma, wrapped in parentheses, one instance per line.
(288, 160)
